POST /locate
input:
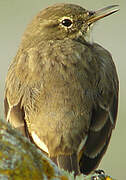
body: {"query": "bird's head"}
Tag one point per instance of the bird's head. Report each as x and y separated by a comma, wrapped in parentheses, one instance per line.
(64, 21)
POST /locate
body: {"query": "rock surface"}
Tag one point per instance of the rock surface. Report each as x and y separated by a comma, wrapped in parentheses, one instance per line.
(19, 159)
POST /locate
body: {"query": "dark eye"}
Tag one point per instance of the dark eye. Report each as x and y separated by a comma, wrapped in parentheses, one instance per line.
(66, 22)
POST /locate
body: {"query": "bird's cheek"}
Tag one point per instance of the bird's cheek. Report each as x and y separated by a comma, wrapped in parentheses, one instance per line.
(57, 33)
(85, 28)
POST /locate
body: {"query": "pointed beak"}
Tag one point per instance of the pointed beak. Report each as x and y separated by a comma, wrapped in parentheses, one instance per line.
(101, 13)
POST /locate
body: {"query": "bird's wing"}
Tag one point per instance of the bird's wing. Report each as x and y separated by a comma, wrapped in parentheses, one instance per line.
(22, 82)
(104, 113)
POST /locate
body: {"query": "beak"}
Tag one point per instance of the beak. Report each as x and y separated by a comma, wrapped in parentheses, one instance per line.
(101, 13)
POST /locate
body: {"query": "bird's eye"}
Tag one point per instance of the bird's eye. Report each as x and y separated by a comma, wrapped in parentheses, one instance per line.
(66, 22)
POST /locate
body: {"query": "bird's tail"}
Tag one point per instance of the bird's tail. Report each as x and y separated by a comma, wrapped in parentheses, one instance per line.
(68, 163)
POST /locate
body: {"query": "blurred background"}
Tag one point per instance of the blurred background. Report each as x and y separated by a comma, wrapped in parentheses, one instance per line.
(109, 32)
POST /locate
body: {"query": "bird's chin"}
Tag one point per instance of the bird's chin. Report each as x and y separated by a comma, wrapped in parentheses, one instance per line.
(88, 36)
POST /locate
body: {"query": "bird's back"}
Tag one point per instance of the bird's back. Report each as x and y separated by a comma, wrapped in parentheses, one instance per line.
(65, 92)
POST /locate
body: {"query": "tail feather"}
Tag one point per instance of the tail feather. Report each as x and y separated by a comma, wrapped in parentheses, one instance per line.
(68, 162)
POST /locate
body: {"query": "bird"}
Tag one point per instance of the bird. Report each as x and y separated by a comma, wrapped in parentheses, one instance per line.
(61, 89)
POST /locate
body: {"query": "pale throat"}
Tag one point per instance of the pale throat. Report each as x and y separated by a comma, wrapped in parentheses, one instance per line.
(88, 36)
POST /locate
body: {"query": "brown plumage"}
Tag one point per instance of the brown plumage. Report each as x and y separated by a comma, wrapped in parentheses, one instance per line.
(61, 90)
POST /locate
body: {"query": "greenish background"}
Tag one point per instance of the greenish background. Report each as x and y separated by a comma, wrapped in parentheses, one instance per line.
(109, 32)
